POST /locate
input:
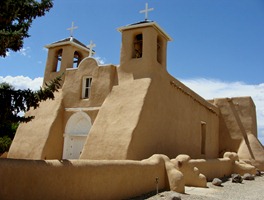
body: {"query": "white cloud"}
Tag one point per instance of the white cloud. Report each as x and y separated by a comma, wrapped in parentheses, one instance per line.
(45, 49)
(210, 89)
(25, 51)
(100, 60)
(23, 82)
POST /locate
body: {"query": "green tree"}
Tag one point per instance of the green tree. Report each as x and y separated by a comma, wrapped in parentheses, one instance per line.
(16, 17)
(13, 102)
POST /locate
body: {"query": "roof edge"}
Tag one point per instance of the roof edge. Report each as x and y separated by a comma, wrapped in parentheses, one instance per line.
(67, 41)
(142, 24)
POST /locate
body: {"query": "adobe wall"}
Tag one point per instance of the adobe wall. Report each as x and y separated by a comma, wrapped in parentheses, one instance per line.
(211, 168)
(221, 167)
(104, 78)
(111, 133)
(170, 121)
(42, 137)
(106, 179)
(150, 112)
(144, 114)
(82, 179)
(237, 119)
(238, 129)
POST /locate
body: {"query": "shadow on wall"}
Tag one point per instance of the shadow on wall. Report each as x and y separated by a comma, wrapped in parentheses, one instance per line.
(238, 130)
(241, 127)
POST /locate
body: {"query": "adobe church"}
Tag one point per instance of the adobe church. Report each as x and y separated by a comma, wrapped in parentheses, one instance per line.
(133, 110)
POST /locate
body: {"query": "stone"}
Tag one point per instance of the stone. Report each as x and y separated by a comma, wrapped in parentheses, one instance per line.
(217, 182)
(174, 197)
(248, 176)
(258, 173)
(236, 178)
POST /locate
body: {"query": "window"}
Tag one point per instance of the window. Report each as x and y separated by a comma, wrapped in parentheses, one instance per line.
(87, 83)
(58, 57)
(138, 46)
(203, 137)
(159, 50)
(76, 59)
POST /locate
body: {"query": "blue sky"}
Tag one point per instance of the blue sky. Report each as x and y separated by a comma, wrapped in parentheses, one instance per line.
(218, 39)
(217, 47)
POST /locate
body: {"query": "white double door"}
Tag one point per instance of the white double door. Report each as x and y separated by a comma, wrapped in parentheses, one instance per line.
(76, 132)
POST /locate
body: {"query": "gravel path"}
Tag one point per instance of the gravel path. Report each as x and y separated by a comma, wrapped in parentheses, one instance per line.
(229, 191)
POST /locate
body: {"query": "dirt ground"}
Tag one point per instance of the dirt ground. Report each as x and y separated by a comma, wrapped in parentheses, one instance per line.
(228, 191)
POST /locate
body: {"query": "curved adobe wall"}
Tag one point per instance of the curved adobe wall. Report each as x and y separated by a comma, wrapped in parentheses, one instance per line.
(83, 179)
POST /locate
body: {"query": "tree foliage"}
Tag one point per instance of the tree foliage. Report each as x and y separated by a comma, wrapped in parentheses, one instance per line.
(13, 102)
(5, 143)
(16, 17)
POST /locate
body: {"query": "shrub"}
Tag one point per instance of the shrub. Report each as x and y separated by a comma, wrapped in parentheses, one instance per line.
(5, 143)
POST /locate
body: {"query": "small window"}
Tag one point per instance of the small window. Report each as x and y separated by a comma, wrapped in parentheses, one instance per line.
(87, 83)
(203, 137)
(58, 57)
(138, 46)
(76, 59)
(159, 51)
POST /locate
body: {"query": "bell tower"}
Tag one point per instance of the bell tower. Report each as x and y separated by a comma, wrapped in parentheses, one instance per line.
(64, 54)
(144, 40)
(144, 47)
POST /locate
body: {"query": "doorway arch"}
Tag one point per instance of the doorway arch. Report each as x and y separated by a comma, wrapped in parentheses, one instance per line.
(76, 131)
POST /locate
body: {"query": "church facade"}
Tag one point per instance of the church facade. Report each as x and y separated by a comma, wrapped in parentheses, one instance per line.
(134, 110)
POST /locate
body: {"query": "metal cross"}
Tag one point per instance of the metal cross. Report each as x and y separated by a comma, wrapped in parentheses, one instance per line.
(91, 46)
(72, 28)
(146, 11)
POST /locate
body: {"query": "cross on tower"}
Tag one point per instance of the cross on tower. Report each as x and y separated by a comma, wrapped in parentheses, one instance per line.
(91, 46)
(72, 28)
(146, 11)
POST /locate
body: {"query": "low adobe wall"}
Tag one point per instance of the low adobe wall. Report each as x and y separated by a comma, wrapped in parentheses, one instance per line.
(211, 168)
(84, 179)
(214, 168)
(110, 179)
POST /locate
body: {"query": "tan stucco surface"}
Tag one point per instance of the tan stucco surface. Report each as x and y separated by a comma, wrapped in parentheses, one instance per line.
(135, 110)
(110, 179)
(82, 179)
(142, 105)
(167, 127)
(238, 129)
(146, 104)
(112, 130)
(42, 137)
(68, 49)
